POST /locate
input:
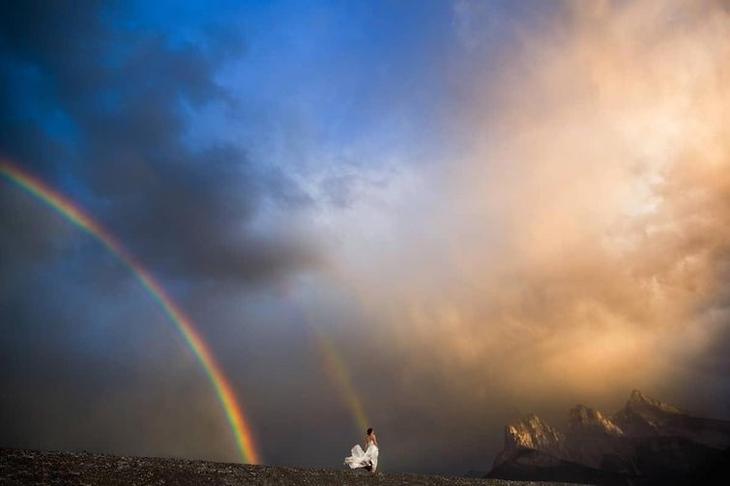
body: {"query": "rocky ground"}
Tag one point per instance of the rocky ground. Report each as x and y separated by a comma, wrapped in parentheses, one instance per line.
(19, 466)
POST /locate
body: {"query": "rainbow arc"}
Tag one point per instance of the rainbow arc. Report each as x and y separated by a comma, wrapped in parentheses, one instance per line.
(339, 373)
(240, 427)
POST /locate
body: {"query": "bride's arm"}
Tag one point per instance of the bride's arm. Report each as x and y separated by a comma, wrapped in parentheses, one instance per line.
(375, 440)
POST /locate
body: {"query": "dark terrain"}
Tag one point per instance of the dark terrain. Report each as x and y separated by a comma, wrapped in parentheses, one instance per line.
(645, 443)
(18, 466)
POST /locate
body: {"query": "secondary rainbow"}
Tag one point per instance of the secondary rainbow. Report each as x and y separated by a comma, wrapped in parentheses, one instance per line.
(73, 213)
(337, 369)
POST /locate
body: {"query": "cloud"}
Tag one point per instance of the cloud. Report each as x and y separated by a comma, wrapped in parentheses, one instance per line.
(123, 97)
(577, 248)
(99, 106)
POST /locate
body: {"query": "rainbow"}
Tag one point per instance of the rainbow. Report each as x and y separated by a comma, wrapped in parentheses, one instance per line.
(238, 423)
(336, 368)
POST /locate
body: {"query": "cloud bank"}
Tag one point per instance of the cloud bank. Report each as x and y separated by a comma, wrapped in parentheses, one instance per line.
(577, 246)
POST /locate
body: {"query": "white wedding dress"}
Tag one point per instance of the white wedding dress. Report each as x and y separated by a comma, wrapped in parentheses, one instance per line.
(360, 458)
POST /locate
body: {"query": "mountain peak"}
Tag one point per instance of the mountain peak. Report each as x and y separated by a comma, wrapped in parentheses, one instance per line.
(639, 401)
(582, 418)
(646, 438)
(636, 396)
(530, 432)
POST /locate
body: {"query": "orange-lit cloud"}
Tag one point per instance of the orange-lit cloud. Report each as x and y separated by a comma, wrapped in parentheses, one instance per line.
(580, 241)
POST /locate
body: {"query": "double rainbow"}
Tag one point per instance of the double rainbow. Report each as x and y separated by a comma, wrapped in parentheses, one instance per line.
(73, 213)
(339, 373)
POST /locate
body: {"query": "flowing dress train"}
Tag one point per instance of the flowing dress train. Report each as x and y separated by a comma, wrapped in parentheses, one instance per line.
(359, 458)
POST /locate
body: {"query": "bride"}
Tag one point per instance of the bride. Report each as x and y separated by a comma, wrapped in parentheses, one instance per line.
(367, 459)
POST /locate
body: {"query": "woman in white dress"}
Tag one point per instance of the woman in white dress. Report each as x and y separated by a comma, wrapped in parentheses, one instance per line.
(367, 459)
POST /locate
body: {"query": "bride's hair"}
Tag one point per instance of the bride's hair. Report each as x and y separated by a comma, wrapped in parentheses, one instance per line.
(370, 431)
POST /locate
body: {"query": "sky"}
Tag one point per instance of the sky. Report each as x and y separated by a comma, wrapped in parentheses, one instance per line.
(427, 217)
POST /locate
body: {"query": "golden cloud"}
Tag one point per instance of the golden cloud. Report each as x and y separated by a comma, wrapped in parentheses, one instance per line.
(582, 242)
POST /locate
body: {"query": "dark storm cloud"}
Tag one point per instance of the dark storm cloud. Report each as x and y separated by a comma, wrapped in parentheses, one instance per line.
(86, 97)
(100, 107)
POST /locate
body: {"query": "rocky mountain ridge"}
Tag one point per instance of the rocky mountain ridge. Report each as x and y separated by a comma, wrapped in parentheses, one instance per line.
(645, 440)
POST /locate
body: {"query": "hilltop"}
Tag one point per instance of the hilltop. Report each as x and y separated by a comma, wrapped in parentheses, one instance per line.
(20, 466)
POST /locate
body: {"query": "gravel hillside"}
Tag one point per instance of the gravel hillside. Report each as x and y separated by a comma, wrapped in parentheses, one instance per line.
(18, 466)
